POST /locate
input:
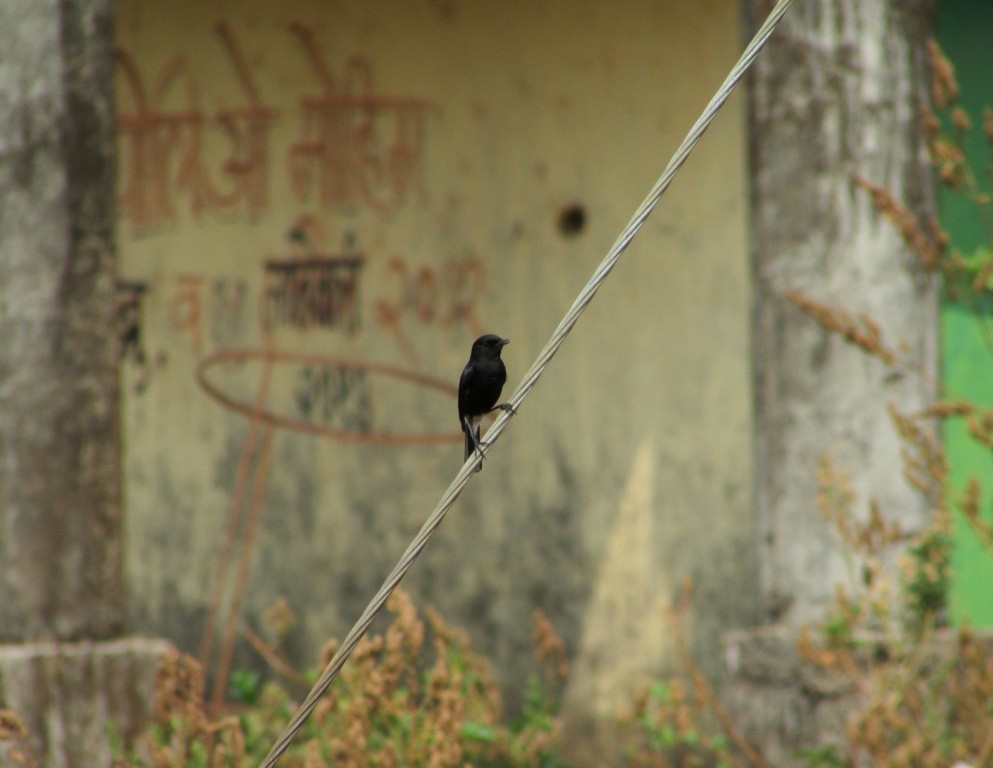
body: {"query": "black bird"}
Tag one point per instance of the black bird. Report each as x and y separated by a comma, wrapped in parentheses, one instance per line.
(480, 386)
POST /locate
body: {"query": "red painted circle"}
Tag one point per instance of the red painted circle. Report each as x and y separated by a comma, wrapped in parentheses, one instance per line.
(298, 425)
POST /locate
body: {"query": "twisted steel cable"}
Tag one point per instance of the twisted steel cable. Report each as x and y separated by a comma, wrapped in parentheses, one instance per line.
(528, 381)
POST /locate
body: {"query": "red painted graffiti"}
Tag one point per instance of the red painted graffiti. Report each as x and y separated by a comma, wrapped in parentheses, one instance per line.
(162, 135)
(356, 146)
(430, 296)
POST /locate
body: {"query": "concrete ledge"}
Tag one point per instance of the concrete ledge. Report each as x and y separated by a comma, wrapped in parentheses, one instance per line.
(68, 694)
(780, 703)
(783, 704)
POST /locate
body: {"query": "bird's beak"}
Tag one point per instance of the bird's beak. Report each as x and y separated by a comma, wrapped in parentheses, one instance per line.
(504, 342)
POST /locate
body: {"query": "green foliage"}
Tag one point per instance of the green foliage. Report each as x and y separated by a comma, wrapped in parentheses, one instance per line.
(672, 728)
(244, 686)
(822, 757)
(926, 587)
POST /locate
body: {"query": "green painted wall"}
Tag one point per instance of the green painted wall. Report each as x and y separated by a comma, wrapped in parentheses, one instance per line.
(964, 33)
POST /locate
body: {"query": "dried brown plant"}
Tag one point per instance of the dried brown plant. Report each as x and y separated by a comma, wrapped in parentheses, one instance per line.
(416, 694)
(928, 243)
(549, 649)
(944, 88)
(862, 331)
(14, 736)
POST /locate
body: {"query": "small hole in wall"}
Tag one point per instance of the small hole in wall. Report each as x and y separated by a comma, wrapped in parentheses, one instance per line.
(572, 220)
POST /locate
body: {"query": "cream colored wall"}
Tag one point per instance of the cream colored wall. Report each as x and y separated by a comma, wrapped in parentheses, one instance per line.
(627, 471)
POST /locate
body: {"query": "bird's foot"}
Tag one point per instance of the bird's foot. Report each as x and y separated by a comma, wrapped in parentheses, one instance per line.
(505, 407)
(482, 457)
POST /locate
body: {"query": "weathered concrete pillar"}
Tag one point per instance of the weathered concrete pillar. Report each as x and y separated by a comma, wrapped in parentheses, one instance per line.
(836, 92)
(60, 508)
(60, 473)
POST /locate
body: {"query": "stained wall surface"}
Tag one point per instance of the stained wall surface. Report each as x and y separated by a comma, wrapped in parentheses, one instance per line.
(321, 205)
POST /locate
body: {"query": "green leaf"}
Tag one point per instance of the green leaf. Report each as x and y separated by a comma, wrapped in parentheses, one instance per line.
(718, 742)
(660, 691)
(477, 731)
(822, 757)
(245, 685)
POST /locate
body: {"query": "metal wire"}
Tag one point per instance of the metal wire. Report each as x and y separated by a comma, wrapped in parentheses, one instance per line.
(528, 381)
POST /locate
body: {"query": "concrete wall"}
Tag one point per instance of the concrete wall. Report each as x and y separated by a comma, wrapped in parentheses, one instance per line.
(468, 140)
(817, 121)
(60, 515)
